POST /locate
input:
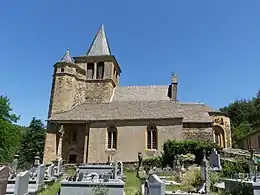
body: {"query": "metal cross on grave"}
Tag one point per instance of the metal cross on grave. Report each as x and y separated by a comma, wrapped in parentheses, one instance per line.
(252, 152)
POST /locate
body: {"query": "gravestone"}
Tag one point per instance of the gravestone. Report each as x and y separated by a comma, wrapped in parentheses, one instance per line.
(178, 166)
(214, 159)
(115, 176)
(40, 175)
(51, 171)
(205, 179)
(155, 186)
(4, 174)
(14, 165)
(252, 164)
(121, 168)
(21, 183)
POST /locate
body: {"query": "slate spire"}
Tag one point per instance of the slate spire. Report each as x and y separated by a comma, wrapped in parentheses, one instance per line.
(67, 57)
(99, 46)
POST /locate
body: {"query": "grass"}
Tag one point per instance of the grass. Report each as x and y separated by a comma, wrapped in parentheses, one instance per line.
(53, 189)
(131, 184)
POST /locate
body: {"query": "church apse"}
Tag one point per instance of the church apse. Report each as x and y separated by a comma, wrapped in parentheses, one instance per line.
(222, 131)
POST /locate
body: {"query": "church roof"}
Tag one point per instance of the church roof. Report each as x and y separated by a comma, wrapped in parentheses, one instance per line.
(99, 46)
(141, 93)
(138, 102)
(67, 57)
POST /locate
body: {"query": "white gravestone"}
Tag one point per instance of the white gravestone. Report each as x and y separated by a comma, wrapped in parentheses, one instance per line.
(21, 183)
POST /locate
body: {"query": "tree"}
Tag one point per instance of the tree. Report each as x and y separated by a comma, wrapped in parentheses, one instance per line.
(32, 143)
(6, 109)
(9, 133)
(244, 115)
(9, 140)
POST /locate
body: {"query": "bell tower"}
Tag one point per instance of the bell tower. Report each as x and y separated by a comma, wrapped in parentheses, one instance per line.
(102, 70)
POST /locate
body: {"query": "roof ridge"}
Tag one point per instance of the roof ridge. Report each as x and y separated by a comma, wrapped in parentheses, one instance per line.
(144, 86)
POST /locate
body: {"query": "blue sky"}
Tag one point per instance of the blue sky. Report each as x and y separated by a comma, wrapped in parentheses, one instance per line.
(213, 46)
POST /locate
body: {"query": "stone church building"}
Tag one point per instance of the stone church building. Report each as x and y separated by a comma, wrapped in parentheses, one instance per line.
(92, 118)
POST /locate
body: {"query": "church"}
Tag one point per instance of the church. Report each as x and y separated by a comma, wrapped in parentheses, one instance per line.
(93, 119)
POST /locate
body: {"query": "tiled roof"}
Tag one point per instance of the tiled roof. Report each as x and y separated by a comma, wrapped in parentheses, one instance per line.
(67, 57)
(120, 110)
(99, 46)
(141, 93)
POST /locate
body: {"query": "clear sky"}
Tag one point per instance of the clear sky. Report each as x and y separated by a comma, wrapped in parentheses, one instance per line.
(213, 46)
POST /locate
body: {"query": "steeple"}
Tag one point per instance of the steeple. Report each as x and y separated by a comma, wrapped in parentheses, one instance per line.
(67, 57)
(99, 46)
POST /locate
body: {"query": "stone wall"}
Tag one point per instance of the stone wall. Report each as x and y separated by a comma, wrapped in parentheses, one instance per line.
(99, 91)
(65, 87)
(131, 140)
(51, 143)
(204, 134)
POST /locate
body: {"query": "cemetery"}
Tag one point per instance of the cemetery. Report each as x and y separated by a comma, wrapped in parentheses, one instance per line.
(214, 174)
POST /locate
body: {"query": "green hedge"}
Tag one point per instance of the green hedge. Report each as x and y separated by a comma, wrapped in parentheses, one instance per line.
(171, 148)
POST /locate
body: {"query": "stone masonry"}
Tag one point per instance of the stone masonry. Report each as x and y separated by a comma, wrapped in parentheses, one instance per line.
(87, 101)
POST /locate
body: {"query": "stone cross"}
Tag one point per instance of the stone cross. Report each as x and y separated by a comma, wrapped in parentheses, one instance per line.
(61, 131)
(4, 173)
(14, 164)
(205, 187)
(252, 152)
(115, 170)
(37, 160)
(121, 169)
(59, 170)
(252, 164)
(140, 159)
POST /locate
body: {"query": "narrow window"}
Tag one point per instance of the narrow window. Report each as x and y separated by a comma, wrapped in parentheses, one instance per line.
(258, 137)
(100, 70)
(112, 138)
(62, 69)
(74, 135)
(152, 137)
(90, 71)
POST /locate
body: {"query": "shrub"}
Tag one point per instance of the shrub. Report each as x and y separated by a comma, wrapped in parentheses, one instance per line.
(232, 167)
(152, 162)
(192, 177)
(171, 148)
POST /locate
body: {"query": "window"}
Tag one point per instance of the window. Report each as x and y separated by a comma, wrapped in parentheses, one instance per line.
(258, 141)
(112, 138)
(72, 158)
(100, 70)
(90, 71)
(152, 137)
(62, 69)
(73, 135)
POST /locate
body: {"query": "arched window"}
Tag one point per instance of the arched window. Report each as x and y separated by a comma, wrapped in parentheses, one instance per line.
(90, 70)
(100, 70)
(152, 137)
(112, 138)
